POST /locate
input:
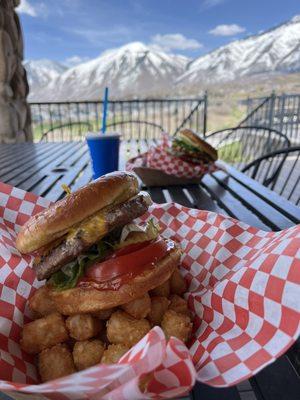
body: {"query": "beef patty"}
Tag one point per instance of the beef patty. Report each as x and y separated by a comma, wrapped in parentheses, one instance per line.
(117, 216)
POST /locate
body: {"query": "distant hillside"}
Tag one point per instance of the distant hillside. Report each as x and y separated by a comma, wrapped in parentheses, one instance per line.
(274, 51)
(139, 71)
(134, 70)
(41, 72)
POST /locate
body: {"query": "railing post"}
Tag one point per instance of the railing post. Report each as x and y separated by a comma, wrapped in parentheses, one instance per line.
(271, 109)
(205, 113)
(282, 111)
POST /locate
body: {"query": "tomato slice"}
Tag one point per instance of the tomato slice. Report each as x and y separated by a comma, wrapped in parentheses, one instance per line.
(130, 248)
(132, 262)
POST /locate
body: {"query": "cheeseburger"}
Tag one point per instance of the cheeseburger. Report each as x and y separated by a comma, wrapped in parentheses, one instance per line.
(91, 253)
(190, 147)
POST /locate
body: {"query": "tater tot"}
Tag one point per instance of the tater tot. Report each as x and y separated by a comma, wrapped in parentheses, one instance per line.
(138, 308)
(178, 325)
(55, 363)
(161, 290)
(83, 326)
(177, 283)
(159, 306)
(43, 333)
(104, 314)
(87, 353)
(113, 353)
(41, 303)
(179, 305)
(123, 328)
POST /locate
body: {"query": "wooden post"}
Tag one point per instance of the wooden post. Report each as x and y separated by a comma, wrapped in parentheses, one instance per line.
(15, 118)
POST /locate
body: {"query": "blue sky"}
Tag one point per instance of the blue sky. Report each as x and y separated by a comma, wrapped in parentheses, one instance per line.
(77, 30)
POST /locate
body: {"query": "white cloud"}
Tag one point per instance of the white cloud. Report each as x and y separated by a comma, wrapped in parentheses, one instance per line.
(39, 9)
(95, 36)
(26, 8)
(75, 60)
(212, 3)
(227, 30)
(174, 41)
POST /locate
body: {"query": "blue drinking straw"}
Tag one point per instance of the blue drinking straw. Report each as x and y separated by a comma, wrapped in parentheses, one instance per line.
(104, 116)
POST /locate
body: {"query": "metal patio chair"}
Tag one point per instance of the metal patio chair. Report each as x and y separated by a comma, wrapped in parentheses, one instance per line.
(67, 132)
(136, 129)
(279, 171)
(242, 144)
(137, 136)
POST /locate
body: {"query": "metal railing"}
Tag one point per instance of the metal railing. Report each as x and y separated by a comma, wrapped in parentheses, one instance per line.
(279, 112)
(242, 144)
(135, 119)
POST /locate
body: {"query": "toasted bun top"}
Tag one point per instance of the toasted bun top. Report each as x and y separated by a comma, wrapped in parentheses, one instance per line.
(200, 143)
(55, 221)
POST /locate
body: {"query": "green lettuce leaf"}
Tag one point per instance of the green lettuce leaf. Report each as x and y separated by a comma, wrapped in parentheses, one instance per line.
(185, 145)
(68, 276)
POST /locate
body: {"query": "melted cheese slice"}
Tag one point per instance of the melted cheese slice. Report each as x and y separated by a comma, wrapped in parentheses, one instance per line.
(96, 226)
(92, 228)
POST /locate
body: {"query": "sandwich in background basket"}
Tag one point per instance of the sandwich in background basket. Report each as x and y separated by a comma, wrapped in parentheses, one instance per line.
(183, 159)
(188, 146)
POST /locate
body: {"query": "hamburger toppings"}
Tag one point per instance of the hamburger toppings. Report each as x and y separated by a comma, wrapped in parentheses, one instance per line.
(81, 237)
(105, 261)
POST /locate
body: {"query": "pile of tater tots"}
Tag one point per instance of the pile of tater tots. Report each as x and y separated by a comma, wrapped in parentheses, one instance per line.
(66, 344)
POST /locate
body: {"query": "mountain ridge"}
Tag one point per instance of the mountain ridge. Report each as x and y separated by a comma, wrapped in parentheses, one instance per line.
(138, 70)
(265, 52)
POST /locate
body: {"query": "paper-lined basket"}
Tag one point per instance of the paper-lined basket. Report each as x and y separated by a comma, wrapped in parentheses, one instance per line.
(158, 167)
(244, 288)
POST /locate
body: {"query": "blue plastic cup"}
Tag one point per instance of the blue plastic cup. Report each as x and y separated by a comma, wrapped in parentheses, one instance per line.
(104, 152)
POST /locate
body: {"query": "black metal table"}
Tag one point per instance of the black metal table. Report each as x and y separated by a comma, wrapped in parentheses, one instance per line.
(43, 167)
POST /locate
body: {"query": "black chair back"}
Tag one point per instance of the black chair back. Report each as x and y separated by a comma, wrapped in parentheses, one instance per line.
(67, 132)
(136, 129)
(241, 145)
(279, 171)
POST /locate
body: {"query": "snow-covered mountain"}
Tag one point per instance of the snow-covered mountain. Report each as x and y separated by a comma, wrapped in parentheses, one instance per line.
(137, 70)
(41, 72)
(276, 50)
(133, 70)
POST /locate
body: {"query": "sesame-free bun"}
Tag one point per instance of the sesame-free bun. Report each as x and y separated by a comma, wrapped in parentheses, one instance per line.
(55, 221)
(84, 300)
(194, 139)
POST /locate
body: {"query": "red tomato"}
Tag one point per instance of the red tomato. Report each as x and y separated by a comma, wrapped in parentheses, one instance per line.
(126, 263)
(130, 248)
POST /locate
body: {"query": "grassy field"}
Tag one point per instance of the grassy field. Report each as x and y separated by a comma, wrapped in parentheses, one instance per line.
(231, 152)
(58, 132)
(225, 108)
(221, 117)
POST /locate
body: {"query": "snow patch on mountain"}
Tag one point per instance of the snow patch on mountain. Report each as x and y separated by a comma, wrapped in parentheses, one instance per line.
(41, 72)
(140, 71)
(133, 70)
(273, 51)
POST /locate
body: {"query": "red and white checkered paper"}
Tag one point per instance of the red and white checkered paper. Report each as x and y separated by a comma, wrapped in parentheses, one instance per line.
(159, 157)
(243, 285)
